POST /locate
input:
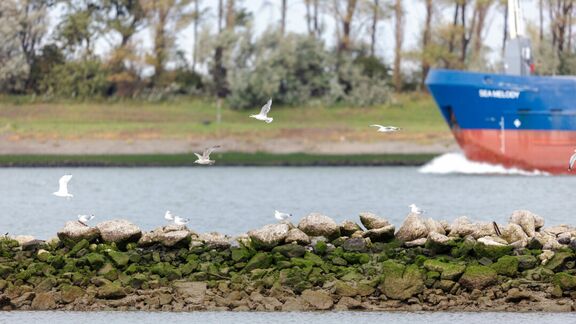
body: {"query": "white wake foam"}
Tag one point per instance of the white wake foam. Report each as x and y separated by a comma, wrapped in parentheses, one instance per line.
(458, 163)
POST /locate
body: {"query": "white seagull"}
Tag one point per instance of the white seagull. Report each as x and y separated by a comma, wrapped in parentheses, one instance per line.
(263, 115)
(572, 161)
(83, 219)
(281, 216)
(204, 159)
(180, 221)
(415, 210)
(63, 188)
(386, 129)
(168, 216)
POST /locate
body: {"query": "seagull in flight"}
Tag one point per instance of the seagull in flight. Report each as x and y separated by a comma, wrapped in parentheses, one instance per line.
(83, 219)
(168, 216)
(204, 159)
(281, 216)
(263, 115)
(572, 161)
(180, 221)
(63, 187)
(416, 210)
(386, 129)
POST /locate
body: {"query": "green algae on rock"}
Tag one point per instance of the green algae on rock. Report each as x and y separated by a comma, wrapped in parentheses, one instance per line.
(173, 268)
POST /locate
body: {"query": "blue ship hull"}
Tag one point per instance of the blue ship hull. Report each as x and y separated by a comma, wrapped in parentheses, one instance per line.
(517, 121)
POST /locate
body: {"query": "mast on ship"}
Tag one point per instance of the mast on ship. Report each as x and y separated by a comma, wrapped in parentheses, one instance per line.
(518, 51)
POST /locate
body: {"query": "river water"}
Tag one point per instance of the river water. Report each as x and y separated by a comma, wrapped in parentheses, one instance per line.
(233, 200)
(277, 318)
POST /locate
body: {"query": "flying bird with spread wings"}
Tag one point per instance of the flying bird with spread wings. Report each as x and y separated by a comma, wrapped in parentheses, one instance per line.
(204, 159)
(263, 115)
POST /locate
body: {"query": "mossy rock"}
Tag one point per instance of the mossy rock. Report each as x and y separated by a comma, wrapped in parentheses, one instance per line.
(5, 271)
(166, 270)
(356, 258)
(448, 271)
(558, 261)
(401, 282)
(70, 293)
(564, 280)
(320, 248)
(538, 274)
(120, 259)
(83, 244)
(241, 254)
(342, 288)
(295, 278)
(111, 291)
(463, 248)
(478, 277)
(492, 252)
(260, 260)
(290, 250)
(95, 260)
(506, 266)
(339, 261)
(526, 262)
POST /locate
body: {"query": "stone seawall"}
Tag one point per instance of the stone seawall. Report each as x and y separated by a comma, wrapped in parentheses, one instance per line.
(424, 265)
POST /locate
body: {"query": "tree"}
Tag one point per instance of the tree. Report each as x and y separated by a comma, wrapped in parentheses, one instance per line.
(426, 41)
(346, 21)
(166, 18)
(399, 40)
(284, 9)
(13, 65)
(79, 27)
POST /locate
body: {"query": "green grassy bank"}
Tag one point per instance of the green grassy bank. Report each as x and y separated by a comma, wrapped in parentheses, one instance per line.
(222, 159)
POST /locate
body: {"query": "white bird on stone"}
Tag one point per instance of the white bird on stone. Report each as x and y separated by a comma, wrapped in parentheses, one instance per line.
(386, 129)
(204, 159)
(83, 219)
(180, 221)
(63, 187)
(263, 115)
(168, 216)
(415, 210)
(572, 161)
(281, 216)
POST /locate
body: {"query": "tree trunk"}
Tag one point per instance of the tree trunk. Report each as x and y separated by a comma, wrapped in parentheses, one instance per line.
(196, 24)
(345, 42)
(426, 38)
(375, 17)
(316, 18)
(283, 21)
(160, 44)
(308, 16)
(464, 39)
(505, 31)
(399, 33)
(230, 15)
(452, 39)
(541, 13)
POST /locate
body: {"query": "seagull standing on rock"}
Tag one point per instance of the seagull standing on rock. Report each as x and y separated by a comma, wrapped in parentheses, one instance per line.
(84, 219)
(281, 216)
(204, 159)
(263, 115)
(414, 209)
(180, 221)
(386, 129)
(63, 187)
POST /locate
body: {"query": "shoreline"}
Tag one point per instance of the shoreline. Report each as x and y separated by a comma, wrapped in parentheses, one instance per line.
(316, 265)
(222, 159)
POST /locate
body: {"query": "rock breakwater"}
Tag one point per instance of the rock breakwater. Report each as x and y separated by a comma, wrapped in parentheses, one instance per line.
(424, 265)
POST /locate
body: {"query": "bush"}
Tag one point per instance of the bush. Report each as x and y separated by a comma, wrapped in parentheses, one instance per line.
(77, 79)
(290, 69)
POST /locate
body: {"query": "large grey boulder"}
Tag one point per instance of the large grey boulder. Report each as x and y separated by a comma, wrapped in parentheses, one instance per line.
(317, 224)
(372, 221)
(297, 236)
(412, 229)
(119, 231)
(347, 228)
(483, 229)
(461, 227)
(74, 232)
(170, 235)
(383, 234)
(434, 226)
(513, 233)
(215, 240)
(529, 221)
(269, 236)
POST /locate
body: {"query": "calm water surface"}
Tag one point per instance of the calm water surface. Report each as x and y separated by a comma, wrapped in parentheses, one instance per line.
(277, 318)
(234, 200)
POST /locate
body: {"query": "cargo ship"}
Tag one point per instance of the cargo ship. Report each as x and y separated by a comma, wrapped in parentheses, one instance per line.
(513, 118)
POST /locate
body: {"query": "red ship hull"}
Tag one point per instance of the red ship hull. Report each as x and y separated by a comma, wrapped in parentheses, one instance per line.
(544, 150)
